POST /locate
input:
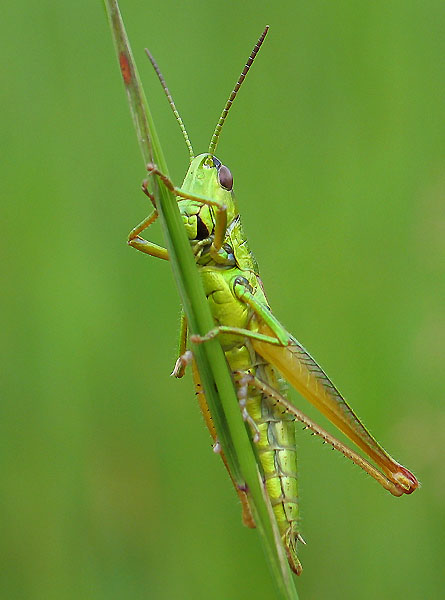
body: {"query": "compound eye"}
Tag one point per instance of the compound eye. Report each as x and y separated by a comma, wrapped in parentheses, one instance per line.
(225, 178)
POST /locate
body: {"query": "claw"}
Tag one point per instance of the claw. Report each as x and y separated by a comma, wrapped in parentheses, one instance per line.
(181, 364)
(242, 394)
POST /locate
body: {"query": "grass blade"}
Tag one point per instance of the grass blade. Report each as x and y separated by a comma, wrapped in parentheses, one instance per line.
(212, 366)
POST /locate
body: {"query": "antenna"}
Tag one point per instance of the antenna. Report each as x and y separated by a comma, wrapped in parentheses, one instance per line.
(172, 104)
(222, 118)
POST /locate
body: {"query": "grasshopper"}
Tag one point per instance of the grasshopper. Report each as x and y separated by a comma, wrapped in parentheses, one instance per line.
(260, 352)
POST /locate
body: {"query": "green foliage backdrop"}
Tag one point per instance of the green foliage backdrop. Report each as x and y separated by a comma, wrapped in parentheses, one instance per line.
(109, 488)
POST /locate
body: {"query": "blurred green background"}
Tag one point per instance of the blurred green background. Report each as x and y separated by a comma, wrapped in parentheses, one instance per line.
(109, 487)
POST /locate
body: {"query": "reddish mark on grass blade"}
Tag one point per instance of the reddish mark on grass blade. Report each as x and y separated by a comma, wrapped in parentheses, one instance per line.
(125, 67)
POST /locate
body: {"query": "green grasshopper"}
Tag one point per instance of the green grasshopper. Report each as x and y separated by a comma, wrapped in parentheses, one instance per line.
(259, 350)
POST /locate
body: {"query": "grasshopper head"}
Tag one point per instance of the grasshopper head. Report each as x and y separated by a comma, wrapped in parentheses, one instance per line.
(210, 183)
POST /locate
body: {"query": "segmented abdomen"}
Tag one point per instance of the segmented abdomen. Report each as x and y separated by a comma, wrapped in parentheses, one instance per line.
(277, 452)
(276, 447)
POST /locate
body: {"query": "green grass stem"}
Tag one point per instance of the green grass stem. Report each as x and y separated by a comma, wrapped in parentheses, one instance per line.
(212, 365)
